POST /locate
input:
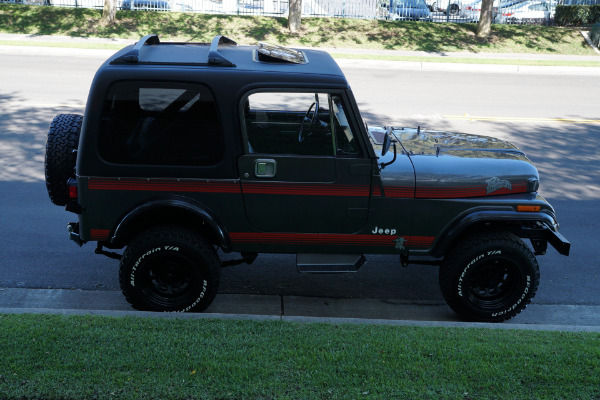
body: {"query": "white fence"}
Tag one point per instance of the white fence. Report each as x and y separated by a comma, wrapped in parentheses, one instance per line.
(505, 11)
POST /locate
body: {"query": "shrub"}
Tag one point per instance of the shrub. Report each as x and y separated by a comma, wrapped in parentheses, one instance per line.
(577, 15)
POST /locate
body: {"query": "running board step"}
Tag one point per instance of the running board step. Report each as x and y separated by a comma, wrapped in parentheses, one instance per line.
(329, 263)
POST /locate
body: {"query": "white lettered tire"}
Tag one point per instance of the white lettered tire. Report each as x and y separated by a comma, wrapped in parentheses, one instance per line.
(489, 277)
(169, 268)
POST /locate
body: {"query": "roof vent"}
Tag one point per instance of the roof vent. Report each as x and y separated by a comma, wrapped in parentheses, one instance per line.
(279, 54)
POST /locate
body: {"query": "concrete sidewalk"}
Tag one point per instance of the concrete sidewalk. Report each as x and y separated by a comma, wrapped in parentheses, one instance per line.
(362, 52)
(299, 309)
(433, 59)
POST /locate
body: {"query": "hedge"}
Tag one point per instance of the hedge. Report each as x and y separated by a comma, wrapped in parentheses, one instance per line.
(577, 15)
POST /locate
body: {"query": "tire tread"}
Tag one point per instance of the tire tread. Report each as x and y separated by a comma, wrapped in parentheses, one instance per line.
(59, 163)
(471, 243)
(167, 234)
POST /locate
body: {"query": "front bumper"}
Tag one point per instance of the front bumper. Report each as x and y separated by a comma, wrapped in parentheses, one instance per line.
(558, 241)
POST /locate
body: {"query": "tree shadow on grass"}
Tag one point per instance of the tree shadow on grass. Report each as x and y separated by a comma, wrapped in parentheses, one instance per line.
(317, 32)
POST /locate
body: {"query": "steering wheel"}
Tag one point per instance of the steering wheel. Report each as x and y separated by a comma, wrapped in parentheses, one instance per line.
(314, 107)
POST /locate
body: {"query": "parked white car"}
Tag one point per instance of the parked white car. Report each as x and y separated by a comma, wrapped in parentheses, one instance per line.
(529, 12)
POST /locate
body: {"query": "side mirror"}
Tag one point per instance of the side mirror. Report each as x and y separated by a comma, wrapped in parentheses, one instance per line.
(387, 141)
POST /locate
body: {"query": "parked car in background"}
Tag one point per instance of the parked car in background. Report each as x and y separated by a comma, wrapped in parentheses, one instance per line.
(154, 5)
(410, 10)
(528, 12)
(433, 5)
(29, 2)
(472, 12)
(451, 7)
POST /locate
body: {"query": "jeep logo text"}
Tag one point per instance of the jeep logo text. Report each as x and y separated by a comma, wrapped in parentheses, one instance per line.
(383, 231)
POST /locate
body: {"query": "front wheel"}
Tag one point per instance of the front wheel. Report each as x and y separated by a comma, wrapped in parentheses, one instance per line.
(489, 277)
(169, 269)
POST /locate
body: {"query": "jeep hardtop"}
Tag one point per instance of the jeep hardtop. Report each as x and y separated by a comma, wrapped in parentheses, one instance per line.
(187, 148)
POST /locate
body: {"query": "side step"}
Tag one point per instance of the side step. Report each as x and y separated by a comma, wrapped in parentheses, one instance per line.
(329, 263)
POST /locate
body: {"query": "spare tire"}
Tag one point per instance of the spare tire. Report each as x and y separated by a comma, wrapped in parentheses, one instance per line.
(59, 165)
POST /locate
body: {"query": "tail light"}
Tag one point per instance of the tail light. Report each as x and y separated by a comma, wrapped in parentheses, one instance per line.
(72, 184)
(507, 14)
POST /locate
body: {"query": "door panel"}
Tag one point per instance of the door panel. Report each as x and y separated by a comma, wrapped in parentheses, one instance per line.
(306, 194)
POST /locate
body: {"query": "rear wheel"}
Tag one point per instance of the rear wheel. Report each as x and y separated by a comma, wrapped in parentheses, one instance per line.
(59, 163)
(169, 269)
(489, 277)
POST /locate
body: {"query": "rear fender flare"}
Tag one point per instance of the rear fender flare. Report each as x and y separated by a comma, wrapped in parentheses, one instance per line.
(193, 209)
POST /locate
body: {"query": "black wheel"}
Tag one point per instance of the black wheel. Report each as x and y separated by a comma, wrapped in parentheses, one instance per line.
(169, 269)
(59, 163)
(489, 277)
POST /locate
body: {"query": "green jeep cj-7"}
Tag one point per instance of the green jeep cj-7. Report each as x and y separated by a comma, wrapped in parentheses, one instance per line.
(185, 148)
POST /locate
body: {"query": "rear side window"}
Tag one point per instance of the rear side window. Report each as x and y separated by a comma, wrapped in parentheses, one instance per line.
(160, 124)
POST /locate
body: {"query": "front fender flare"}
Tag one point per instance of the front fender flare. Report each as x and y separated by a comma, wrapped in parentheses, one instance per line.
(532, 225)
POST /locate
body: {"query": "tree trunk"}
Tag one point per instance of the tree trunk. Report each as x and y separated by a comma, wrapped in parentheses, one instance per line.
(109, 12)
(295, 16)
(484, 27)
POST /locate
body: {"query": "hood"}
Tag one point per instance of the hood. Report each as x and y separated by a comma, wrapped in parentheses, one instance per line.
(455, 165)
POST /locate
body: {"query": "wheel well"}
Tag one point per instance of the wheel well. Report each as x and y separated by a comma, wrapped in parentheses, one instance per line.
(518, 228)
(173, 216)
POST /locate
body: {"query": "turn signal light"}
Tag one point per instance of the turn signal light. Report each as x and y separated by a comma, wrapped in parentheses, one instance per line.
(528, 208)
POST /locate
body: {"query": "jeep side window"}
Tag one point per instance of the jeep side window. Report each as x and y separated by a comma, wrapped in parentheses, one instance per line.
(289, 123)
(153, 123)
(345, 141)
(286, 123)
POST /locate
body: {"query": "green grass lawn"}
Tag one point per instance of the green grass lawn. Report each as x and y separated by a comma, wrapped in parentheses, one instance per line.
(92, 357)
(317, 32)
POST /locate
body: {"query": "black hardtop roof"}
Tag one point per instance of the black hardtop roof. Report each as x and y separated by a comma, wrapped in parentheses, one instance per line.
(221, 53)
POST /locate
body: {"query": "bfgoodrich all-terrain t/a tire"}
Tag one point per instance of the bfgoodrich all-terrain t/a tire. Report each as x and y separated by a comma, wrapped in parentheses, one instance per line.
(489, 277)
(169, 268)
(59, 163)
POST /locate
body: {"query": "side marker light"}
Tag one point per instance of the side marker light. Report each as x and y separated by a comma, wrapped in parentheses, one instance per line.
(528, 208)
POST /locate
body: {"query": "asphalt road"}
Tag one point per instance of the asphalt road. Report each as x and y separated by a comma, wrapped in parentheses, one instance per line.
(555, 119)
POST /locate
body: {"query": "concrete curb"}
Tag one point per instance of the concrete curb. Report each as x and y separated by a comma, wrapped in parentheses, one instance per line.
(299, 319)
(571, 318)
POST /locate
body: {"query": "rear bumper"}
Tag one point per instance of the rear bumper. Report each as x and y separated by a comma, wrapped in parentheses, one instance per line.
(73, 229)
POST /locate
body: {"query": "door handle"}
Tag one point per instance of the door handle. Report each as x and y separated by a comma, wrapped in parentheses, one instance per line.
(265, 168)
